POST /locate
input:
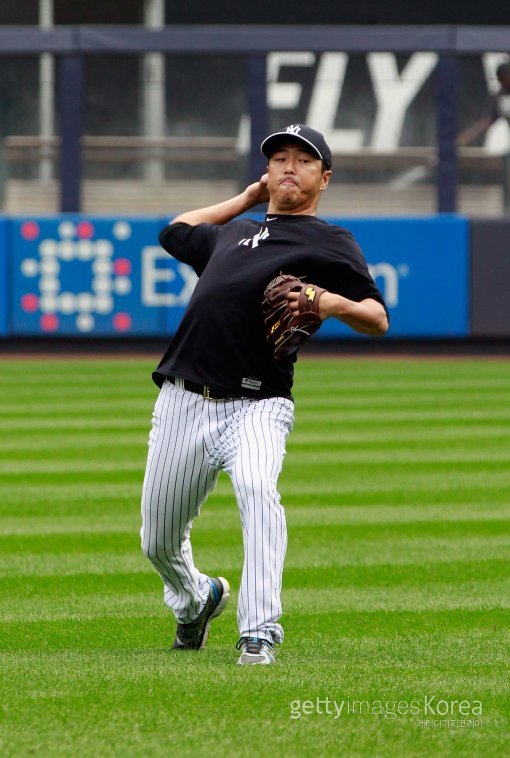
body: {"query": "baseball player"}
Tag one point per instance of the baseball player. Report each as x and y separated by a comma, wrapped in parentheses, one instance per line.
(226, 398)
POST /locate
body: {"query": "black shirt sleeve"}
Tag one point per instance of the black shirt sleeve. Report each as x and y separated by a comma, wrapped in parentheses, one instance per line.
(344, 269)
(190, 244)
(351, 284)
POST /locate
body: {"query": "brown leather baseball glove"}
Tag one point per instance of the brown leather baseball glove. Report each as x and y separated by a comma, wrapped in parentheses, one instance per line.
(287, 331)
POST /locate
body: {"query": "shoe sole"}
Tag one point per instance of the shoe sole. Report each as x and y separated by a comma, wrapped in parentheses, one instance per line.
(254, 660)
(225, 597)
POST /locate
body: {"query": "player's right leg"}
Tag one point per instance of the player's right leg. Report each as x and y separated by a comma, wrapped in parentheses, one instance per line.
(177, 480)
(258, 448)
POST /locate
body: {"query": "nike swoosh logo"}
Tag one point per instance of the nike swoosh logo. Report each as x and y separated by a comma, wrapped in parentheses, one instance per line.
(273, 218)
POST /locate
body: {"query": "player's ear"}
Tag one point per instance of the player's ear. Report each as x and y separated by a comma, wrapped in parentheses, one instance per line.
(326, 175)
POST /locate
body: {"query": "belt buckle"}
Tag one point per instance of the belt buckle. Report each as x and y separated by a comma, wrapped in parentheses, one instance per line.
(205, 393)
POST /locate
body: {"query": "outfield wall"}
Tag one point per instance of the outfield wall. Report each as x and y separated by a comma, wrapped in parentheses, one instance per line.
(73, 275)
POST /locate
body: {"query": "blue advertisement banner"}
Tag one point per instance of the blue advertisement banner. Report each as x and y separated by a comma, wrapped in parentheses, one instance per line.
(3, 277)
(75, 275)
(421, 267)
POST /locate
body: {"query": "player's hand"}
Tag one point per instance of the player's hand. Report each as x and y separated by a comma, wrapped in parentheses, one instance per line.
(258, 191)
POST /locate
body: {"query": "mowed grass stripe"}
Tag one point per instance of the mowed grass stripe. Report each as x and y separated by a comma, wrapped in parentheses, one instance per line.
(93, 406)
(71, 422)
(397, 400)
(58, 494)
(327, 535)
(72, 668)
(474, 594)
(429, 422)
(44, 588)
(365, 370)
(89, 464)
(226, 518)
(223, 515)
(108, 492)
(382, 475)
(96, 446)
(388, 389)
(53, 441)
(61, 369)
(76, 446)
(445, 436)
(110, 632)
(392, 459)
(447, 414)
(73, 391)
(375, 412)
(399, 552)
(120, 499)
(47, 493)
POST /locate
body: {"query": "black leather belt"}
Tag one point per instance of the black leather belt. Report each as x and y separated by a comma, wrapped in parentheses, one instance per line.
(207, 392)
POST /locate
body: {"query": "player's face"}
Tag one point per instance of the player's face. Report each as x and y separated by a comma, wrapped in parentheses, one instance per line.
(296, 179)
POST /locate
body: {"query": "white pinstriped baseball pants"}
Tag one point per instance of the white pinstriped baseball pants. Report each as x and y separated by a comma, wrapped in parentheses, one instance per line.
(190, 441)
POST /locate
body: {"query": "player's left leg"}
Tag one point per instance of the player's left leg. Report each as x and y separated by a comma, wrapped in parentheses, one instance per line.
(254, 467)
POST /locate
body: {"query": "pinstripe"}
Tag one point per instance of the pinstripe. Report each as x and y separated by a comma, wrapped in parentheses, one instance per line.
(260, 554)
(159, 431)
(186, 573)
(283, 529)
(275, 610)
(253, 543)
(179, 536)
(166, 450)
(243, 608)
(171, 577)
(242, 499)
(190, 441)
(156, 450)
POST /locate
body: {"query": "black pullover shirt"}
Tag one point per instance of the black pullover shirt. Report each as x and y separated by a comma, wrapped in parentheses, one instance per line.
(221, 339)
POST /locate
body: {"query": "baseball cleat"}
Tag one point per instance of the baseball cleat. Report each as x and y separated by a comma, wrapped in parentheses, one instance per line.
(193, 636)
(255, 650)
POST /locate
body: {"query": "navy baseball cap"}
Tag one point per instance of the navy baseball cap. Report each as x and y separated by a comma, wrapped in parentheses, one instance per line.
(314, 141)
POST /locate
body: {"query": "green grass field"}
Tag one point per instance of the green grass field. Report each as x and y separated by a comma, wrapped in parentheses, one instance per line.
(396, 587)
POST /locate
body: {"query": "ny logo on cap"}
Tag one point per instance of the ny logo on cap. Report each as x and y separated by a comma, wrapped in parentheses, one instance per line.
(293, 129)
